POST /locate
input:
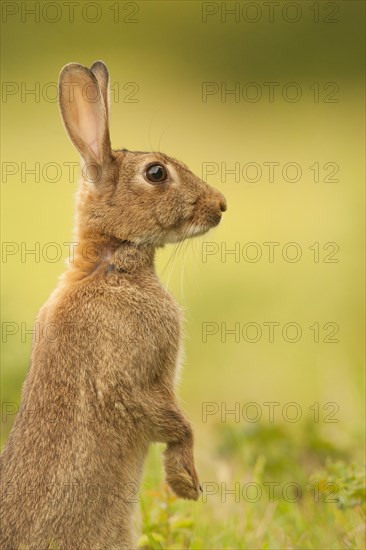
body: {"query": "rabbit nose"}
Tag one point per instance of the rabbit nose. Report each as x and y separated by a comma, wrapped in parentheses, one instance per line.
(223, 205)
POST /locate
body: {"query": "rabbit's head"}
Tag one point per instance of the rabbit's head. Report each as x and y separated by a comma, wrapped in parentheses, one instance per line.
(143, 198)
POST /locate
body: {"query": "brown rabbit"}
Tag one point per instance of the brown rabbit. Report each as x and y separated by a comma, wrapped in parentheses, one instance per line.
(101, 385)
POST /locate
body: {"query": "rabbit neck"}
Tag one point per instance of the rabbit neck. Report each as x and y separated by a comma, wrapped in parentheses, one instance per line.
(107, 254)
(130, 258)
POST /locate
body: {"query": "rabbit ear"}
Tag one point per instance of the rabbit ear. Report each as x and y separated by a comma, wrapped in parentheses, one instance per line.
(100, 72)
(84, 113)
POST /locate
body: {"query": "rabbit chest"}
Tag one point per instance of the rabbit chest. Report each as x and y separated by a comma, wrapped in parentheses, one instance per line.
(135, 324)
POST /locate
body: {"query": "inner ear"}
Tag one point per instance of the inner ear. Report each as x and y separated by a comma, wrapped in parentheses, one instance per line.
(87, 119)
(84, 113)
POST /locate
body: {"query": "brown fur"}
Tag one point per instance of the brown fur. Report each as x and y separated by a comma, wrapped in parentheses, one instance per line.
(100, 387)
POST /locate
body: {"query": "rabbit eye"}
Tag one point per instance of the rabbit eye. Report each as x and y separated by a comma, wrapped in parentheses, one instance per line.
(156, 173)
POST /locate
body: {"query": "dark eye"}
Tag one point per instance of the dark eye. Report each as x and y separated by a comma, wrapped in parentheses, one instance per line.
(156, 173)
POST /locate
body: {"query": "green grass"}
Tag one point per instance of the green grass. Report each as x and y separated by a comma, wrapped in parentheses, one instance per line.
(329, 513)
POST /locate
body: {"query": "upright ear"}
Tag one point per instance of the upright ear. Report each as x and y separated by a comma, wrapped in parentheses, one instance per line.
(84, 113)
(100, 72)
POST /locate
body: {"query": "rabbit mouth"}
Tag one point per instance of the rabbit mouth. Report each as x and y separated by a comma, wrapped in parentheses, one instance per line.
(194, 228)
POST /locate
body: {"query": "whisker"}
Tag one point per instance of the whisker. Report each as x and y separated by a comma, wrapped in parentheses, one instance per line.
(188, 242)
(149, 131)
(173, 259)
(172, 255)
(177, 251)
(161, 136)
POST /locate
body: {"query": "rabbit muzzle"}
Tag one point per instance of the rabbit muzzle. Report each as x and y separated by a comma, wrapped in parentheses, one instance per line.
(211, 209)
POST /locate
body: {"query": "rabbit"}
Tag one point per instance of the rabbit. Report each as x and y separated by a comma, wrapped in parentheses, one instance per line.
(101, 385)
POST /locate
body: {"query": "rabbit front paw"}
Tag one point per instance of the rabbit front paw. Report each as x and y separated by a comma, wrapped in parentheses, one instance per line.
(181, 474)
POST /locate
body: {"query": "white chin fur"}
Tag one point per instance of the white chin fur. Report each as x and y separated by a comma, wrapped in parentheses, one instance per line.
(175, 237)
(171, 236)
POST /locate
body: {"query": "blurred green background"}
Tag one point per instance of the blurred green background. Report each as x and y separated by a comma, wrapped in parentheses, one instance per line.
(159, 55)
